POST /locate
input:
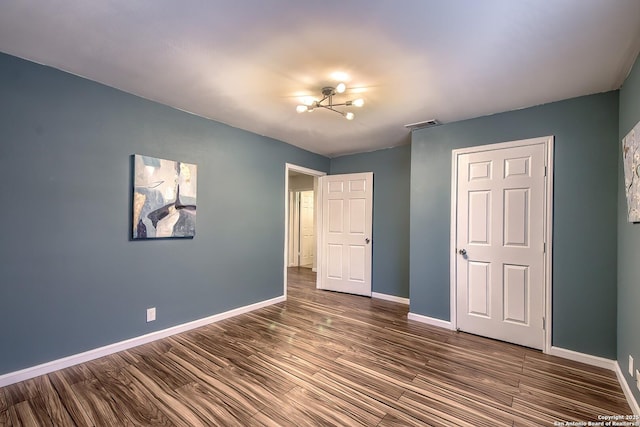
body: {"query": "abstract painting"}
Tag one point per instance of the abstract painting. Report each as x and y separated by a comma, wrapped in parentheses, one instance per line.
(631, 160)
(164, 198)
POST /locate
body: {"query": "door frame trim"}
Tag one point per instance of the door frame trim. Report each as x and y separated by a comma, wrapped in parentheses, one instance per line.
(548, 142)
(318, 213)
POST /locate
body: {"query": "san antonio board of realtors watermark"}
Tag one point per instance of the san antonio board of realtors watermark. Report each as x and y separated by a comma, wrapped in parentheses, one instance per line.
(604, 420)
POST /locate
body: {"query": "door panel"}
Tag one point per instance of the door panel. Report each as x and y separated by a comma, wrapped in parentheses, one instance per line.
(500, 229)
(357, 259)
(334, 262)
(516, 217)
(479, 217)
(357, 213)
(335, 186)
(346, 236)
(516, 293)
(479, 293)
(335, 212)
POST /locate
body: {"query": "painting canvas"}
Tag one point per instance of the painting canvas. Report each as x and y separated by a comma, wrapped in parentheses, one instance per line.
(164, 198)
(631, 160)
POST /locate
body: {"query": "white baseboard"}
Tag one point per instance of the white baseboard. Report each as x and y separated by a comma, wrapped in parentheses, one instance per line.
(584, 358)
(393, 298)
(430, 321)
(65, 362)
(633, 403)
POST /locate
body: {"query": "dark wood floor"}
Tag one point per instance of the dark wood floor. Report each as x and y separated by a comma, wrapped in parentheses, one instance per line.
(319, 359)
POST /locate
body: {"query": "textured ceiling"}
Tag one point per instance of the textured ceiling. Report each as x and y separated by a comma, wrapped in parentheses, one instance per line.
(247, 62)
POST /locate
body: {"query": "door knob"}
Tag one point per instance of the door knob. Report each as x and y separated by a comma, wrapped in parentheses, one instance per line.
(367, 240)
(462, 252)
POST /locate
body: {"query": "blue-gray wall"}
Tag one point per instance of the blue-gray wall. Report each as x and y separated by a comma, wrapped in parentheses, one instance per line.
(628, 241)
(70, 278)
(585, 213)
(391, 170)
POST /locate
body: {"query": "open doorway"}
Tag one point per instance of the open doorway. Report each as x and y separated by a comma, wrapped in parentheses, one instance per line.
(302, 220)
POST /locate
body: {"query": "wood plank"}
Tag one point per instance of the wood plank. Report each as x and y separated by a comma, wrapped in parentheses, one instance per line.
(20, 392)
(383, 363)
(212, 409)
(599, 378)
(4, 417)
(341, 398)
(129, 399)
(60, 381)
(50, 403)
(78, 373)
(98, 403)
(163, 369)
(560, 409)
(441, 414)
(325, 412)
(482, 379)
(179, 411)
(28, 414)
(396, 421)
(287, 412)
(4, 404)
(338, 390)
(582, 392)
(441, 393)
(185, 345)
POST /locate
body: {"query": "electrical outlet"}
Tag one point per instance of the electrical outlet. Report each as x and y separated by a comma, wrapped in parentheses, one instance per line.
(151, 314)
(631, 365)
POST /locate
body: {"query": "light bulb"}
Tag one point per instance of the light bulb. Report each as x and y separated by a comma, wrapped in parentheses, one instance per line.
(358, 102)
(341, 88)
(301, 108)
(349, 116)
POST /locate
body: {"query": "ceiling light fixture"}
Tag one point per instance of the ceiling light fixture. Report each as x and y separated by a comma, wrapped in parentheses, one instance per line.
(327, 95)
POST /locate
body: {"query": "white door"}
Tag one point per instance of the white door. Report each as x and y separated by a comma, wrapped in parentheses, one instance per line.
(347, 207)
(500, 243)
(307, 229)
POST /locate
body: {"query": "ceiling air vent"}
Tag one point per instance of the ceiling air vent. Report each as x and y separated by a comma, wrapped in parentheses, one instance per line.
(420, 125)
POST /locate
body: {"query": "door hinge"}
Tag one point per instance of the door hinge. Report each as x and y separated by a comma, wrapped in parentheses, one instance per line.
(545, 171)
(544, 324)
(544, 247)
